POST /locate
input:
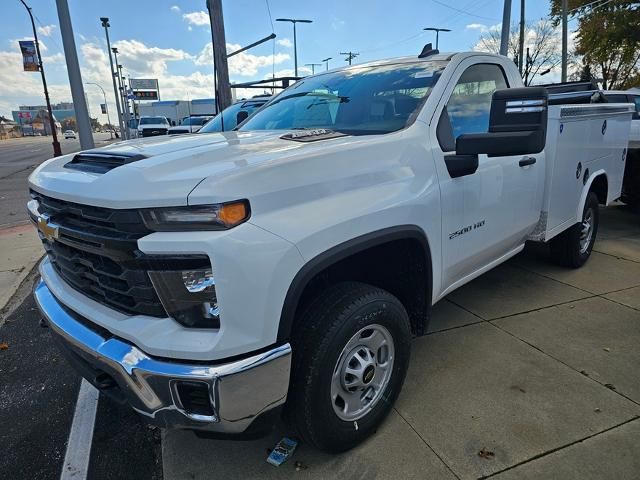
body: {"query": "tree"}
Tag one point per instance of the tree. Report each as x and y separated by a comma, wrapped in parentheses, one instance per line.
(542, 42)
(608, 39)
(95, 124)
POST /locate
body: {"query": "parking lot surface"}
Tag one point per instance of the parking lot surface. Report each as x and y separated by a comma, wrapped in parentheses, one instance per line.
(529, 372)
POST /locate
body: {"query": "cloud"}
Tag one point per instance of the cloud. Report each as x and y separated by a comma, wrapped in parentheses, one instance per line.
(142, 59)
(46, 30)
(243, 64)
(285, 42)
(199, 19)
(175, 8)
(477, 26)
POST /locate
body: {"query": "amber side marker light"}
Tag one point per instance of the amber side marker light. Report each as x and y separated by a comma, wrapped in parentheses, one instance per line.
(232, 214)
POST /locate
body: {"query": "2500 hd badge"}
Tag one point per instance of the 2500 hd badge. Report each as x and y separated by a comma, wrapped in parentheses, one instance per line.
(464, 230)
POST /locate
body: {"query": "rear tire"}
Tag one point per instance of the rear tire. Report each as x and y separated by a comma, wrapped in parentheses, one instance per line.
(350, 357)
(572, 248)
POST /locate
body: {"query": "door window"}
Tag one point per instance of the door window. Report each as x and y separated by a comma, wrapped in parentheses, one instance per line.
(467, 110)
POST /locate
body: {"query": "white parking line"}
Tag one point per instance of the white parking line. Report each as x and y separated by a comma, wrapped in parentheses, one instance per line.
(76, 460)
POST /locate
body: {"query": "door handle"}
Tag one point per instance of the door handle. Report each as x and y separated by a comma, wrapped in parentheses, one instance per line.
(527, 161)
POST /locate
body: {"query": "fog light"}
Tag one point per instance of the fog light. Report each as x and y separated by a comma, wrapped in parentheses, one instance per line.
(188, 296)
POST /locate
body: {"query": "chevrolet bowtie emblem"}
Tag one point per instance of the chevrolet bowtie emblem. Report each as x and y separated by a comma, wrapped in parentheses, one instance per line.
(48, 228)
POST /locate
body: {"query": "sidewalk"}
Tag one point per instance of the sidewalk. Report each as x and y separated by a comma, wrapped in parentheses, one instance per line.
(20, 249)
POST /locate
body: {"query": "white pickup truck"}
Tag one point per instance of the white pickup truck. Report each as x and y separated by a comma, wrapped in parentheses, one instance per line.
(215, 281)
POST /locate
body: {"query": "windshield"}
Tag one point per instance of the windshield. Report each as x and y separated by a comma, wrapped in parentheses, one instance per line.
(357, 101)
(195, 120)
(152, 120)
(230, 115)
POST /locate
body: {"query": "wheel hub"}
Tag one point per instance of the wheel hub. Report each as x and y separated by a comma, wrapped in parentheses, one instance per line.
(362, 372)
(586, 230)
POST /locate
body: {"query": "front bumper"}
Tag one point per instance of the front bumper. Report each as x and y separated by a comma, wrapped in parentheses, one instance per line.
(238, 391)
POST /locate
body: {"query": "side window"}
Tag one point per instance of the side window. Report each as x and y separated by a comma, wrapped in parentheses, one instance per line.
(636, 100)
(470, 102)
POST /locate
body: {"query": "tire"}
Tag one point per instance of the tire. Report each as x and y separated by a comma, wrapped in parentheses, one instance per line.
(334, 328)
(572, 248)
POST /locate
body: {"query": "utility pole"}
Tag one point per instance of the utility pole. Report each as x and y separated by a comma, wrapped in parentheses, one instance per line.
(564, 41)
(326, 61)
(350, 56)
(313, 67)
(437, 30)
(220, 65)
(521, 39)
(106, 107)
(57, 151)
(75, 77)
(295, 41)
(125, 99)
(506, 26)
(105, 24)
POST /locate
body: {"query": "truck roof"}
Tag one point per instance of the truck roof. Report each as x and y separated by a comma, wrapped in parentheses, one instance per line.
(445, 56)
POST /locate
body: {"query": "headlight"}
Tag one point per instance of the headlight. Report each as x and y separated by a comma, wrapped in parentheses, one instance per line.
(188, 296)
(198, 217)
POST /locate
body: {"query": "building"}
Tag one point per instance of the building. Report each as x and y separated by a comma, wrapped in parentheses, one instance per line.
(7, 128)
(33, 119)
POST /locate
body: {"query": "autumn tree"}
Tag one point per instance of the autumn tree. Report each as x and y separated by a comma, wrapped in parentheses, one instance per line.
(608, 39)
(542, 39)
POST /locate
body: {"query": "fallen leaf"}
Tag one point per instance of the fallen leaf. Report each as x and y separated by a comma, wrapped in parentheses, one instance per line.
(487, 454)
(606, 349)
(584, 372)
(610, 386)
(300, 466)
(4, 346)
(597, 410)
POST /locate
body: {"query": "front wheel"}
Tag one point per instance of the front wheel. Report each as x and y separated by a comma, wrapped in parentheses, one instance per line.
(351, 354)
(573, 247)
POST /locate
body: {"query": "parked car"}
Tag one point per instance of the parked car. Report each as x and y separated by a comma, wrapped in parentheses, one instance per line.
(152, 126)
(190, 124)
(241, 110)
(214, 280)
(69, 134)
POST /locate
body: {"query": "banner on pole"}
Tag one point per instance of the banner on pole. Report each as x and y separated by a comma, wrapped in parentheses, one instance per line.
(29, 56)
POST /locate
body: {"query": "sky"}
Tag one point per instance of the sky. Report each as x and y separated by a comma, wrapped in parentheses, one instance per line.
(171, 40)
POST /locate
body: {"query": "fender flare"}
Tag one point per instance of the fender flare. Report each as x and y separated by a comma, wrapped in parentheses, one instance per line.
(587, 188)
(339, 252)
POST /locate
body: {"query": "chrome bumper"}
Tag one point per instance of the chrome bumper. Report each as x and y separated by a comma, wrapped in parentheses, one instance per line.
(238, 391)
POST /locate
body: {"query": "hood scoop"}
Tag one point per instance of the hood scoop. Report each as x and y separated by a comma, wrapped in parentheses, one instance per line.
(101, 162)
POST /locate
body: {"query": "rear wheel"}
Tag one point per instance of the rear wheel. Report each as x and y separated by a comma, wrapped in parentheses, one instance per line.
(351, 354)
(573, 247)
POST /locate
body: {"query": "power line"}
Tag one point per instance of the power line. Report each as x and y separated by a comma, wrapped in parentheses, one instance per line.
(462, 11)
(269, 11)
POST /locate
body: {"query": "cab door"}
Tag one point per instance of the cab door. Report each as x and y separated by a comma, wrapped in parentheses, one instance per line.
(487, 214)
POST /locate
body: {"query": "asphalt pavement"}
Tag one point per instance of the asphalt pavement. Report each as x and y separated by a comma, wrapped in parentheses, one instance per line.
(18, 158)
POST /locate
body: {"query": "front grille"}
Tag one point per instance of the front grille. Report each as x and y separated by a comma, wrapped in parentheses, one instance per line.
(96, 253)
(152, 132)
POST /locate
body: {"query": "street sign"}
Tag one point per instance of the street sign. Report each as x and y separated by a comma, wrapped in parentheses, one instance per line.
(143, 83)
(29, 56)
(151, 95)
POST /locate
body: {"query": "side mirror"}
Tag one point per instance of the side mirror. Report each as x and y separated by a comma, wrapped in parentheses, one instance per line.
(517, 125)
(241, 116)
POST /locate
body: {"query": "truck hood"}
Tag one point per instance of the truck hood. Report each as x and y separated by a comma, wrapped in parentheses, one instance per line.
(171, 168)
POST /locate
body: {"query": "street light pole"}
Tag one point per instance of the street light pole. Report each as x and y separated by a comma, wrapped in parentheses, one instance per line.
(57, 151)
(563, 77)
(506, 25)
(437, 30)
(295, 42)
(75, 77)
(326, 61)
(105, 24)
(313, 67)
(106, 107)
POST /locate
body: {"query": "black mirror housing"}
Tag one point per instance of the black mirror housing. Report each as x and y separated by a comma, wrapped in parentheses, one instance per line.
(517, 125)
